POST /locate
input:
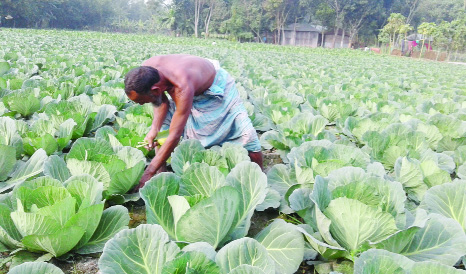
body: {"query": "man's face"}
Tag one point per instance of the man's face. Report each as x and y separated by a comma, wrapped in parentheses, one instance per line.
(142, 99)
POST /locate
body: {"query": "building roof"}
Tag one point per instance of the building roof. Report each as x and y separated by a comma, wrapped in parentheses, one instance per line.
(303, 27)
(414, 37)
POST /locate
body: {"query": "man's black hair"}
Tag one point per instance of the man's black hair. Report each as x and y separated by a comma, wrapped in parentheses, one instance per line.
(141, 79)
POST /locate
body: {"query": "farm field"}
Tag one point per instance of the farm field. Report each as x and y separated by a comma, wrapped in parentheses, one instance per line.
(365, 162)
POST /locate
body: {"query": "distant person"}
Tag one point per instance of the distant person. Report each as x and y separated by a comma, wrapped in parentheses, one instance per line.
(204, 105)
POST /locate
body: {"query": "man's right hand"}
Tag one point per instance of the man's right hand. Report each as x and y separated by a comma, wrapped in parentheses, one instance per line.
(150, 140)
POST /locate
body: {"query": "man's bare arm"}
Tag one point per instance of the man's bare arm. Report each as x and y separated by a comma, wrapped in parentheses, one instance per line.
(160, 113)
(183, 110)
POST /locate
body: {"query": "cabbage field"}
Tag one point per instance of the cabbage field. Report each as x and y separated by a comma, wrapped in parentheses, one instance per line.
(368, 176)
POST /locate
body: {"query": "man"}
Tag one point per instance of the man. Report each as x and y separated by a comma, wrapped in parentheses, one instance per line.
(205, 105)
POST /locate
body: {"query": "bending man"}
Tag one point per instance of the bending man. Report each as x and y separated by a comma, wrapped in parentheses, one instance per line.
(205, 106)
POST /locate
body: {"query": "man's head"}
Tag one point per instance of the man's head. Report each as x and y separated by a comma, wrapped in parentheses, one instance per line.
(140, 85)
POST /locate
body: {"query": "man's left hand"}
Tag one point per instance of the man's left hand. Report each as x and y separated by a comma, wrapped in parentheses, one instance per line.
(145, 177)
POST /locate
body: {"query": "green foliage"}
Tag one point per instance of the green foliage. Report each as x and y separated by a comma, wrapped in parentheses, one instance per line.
(279, 247)
(52, 218)
(371, 159)
(190, 208)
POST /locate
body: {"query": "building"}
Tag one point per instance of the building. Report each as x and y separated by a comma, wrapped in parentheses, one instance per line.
(300, 34)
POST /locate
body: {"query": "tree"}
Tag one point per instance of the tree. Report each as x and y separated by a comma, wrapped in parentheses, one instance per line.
(246, 20)
(413, 6)
(339, 7)
(184, 19)
(396, 25)
(198, 6)
(30, 13)
(459, 34)
(278, 11)
(445, 33)
(357, 13)
(438, 11)
(325, 15)
(216, 9)
(428, 30)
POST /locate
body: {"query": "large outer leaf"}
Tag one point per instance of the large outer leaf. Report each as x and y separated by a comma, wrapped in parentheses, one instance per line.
(7, 224)
(355, 183)
(398, 241)
(234, 154)
(448, 200)
(4, 67)
(88, 219)
(211, 219)
(279, 179)
(154, 194)
(323, 226)
(354, 223)
(90, 150)
(9, 135)
(7, 242)
(56, 168)
(123, 181)
(184, 153)
(114, 219)
(105, 113)
(441, 239)
(47, 142)
(317, 243)
(245, 251)
(433, 174)
(249, 180)
(284, 244)
(23, 101)
(46, 196)
(95, 169)
(34, 223)
(246, 269)
(40, 182)
(85, 189)
(212, 158)
(382, 262)
(408, 173)
(35, 268)
(130, 155)
(434, 268)
(60, 211)
(143, 250)
(321, 194)
(64, 133)
(191, 262)
(9, 131)
(344, 176)
(57, 243)
(200, 178)
(179, 206)
(272, 200)
(33, 167)
(202, 247)
(7, 160)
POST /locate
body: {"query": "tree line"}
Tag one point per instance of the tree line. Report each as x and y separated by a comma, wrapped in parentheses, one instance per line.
(243, 20)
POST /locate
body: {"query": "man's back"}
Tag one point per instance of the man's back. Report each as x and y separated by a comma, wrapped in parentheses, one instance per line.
(182, 68)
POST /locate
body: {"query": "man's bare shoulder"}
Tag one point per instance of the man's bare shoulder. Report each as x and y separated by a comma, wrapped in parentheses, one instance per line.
(185, 70)
(163, 60)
